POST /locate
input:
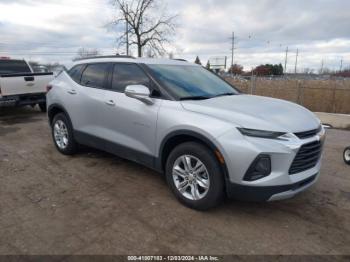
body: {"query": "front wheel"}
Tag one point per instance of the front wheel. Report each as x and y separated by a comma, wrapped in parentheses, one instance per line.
(347, 155)
(195, 176)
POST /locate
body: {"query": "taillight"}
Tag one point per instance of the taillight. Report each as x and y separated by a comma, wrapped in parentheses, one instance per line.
(48, 88)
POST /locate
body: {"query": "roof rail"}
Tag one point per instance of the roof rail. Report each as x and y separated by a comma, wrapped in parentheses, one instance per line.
(107, 56)
(180, 59)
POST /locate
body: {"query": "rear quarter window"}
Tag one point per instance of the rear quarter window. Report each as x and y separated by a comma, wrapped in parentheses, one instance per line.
(75, 73)
(13, 67)
(94, 75)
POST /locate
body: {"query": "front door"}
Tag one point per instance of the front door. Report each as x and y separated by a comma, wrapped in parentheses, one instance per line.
(131, 123)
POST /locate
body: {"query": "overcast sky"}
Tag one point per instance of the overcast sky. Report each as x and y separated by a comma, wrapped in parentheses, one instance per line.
(53, 30)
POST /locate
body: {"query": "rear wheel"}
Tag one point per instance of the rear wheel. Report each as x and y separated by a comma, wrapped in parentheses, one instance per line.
(195, 176)
(62, 134)
(42, 107)
(347, 155)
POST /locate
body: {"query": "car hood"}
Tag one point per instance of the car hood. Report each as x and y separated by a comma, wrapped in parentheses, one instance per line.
(256, 112)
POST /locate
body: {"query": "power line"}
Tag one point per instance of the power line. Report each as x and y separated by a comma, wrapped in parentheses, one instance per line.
(36, 52)
(42, 54)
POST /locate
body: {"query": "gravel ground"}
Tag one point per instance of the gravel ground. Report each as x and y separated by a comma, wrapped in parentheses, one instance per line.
(96, 203)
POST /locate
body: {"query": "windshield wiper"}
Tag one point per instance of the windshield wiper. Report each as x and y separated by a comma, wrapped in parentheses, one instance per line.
(224, 94)
(194, 98)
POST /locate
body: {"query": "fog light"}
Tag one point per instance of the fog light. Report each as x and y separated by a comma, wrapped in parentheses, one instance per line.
(261, 167)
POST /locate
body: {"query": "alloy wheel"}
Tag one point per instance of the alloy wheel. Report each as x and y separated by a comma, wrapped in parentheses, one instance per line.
(191, 177)
(61, 134)
(347, 155)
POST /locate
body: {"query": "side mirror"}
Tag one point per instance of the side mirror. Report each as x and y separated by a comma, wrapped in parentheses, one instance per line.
(139, 92)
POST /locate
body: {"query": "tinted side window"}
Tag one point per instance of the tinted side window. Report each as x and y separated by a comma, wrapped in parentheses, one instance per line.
(75, 73)
(128, 74)
(13, 66)
(94, 75)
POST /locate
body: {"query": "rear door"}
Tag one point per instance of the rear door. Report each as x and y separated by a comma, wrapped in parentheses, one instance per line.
(88, 100)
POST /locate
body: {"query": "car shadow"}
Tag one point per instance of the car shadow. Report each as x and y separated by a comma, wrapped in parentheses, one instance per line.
(19, 115)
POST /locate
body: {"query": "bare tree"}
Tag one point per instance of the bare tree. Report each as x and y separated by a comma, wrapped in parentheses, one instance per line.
(148, 26)
(85, 53)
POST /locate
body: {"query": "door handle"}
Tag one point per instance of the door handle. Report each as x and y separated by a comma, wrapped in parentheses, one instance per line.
(110, 103)
(72, 92)
(29, 78)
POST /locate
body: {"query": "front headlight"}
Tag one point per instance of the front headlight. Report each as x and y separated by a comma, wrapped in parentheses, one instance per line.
(260, 133)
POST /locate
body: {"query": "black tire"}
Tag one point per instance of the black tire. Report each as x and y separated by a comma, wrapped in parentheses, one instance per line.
(72, 146)
(216, 191)
(346, 155)
(42, 107)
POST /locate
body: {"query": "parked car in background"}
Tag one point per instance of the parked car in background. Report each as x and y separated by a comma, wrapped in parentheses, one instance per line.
(58, 69)
(20, 86)
(347, 155)
(182, 120)
(40, 69)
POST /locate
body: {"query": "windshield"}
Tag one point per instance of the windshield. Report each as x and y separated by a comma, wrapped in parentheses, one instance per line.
(191, 82)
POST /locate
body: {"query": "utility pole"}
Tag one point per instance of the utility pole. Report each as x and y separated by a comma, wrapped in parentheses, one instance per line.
(341, 65)
(127, 30)
(296, 61)
(322, 64)
(285, 61)
(233, 47)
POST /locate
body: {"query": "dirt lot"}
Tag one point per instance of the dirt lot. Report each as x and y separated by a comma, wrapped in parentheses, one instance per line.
(95, 203)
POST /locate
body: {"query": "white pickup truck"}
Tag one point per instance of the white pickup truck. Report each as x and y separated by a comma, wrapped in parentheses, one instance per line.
(20, 86)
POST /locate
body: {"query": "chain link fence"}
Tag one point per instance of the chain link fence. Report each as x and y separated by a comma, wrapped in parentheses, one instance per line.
(330, 95)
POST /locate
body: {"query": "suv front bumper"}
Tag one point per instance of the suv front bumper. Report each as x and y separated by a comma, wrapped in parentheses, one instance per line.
(240, 152)
(268, 193)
